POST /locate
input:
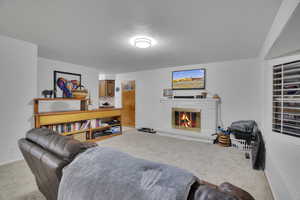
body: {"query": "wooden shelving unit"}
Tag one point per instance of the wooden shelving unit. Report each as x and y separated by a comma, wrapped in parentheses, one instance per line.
(36, 101)
(105, 137)
(75, 132)
(50, 119)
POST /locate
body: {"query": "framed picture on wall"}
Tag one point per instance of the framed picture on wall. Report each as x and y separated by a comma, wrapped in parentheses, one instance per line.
(192, 79)
(64, 83)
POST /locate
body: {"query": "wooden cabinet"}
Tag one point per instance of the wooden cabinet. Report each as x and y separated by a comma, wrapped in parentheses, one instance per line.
(102, 88)
(110, 88)
(107, 88)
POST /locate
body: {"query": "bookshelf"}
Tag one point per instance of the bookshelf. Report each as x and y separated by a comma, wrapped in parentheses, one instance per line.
(83, 125)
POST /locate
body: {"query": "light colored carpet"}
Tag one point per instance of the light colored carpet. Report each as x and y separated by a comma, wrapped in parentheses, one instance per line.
(209, 162)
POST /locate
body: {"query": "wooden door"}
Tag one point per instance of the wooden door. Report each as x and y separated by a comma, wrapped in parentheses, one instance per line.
(128, 103)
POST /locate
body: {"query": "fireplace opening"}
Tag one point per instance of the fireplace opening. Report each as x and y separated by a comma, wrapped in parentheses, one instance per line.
(186, 118)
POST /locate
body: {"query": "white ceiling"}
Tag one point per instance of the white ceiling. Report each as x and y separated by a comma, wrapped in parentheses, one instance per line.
(288, 43)
(96, 32)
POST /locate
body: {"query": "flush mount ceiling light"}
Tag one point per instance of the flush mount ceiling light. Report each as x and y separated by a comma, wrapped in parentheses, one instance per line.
(142, 42)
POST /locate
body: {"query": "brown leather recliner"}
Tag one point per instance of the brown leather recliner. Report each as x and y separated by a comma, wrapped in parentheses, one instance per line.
(46, 154)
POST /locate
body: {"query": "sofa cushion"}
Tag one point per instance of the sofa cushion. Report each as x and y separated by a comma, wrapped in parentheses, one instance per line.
(62, 146)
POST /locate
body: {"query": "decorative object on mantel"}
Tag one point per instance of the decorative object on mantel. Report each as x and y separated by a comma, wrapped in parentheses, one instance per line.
(66, 82)
(168, 93)
(47, 93)
(215, 96)
(202, 96)
(198, 97)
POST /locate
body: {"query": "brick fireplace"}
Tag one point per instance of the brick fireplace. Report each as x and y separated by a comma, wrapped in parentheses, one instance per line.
(186, 118)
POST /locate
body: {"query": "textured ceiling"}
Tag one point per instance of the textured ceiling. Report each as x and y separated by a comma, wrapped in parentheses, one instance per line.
(95, 33)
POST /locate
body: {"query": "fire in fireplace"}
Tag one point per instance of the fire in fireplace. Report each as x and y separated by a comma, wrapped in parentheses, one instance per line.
(186, 118)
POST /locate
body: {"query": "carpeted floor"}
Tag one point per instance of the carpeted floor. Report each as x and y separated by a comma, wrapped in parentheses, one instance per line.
(209, 162)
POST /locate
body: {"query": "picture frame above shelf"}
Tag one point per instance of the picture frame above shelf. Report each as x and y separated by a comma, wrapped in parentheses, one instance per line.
(65, 81)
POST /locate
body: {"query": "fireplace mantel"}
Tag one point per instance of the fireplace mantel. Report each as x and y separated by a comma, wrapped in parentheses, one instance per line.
(170, 100)
(209, 108)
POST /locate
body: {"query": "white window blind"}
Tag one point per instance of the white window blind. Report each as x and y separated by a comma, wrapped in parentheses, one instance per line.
(286, 98)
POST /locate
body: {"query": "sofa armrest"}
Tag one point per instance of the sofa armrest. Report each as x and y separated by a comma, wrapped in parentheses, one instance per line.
(236, 191)
(226, 191)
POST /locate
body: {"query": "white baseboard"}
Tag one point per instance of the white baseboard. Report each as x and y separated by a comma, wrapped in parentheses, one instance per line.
(10, 161)
(185, 137)
(270, 184)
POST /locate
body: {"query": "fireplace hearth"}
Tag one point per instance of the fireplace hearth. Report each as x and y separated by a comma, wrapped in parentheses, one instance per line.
(186, 119)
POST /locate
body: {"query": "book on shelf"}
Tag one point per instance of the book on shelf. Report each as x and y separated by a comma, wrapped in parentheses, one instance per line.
(67, 127)
(62, 128)
(77, 126)
(85, 124)
(95, 123)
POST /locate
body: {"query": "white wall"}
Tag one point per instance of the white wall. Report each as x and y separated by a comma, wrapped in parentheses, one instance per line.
(45, 70)
(18, 64)
(246, 91)
(238, 83)
(107, 76)
(283, 151)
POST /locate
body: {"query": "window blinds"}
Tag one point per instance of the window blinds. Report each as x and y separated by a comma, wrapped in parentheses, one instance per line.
(286, 98)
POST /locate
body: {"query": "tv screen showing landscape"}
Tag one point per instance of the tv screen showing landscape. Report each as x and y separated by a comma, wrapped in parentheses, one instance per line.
(188, 79)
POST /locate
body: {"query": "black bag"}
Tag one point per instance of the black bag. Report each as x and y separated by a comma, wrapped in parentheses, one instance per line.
(245, 126)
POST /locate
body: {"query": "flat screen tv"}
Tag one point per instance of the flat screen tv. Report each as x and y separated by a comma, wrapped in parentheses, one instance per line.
(192, 79)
